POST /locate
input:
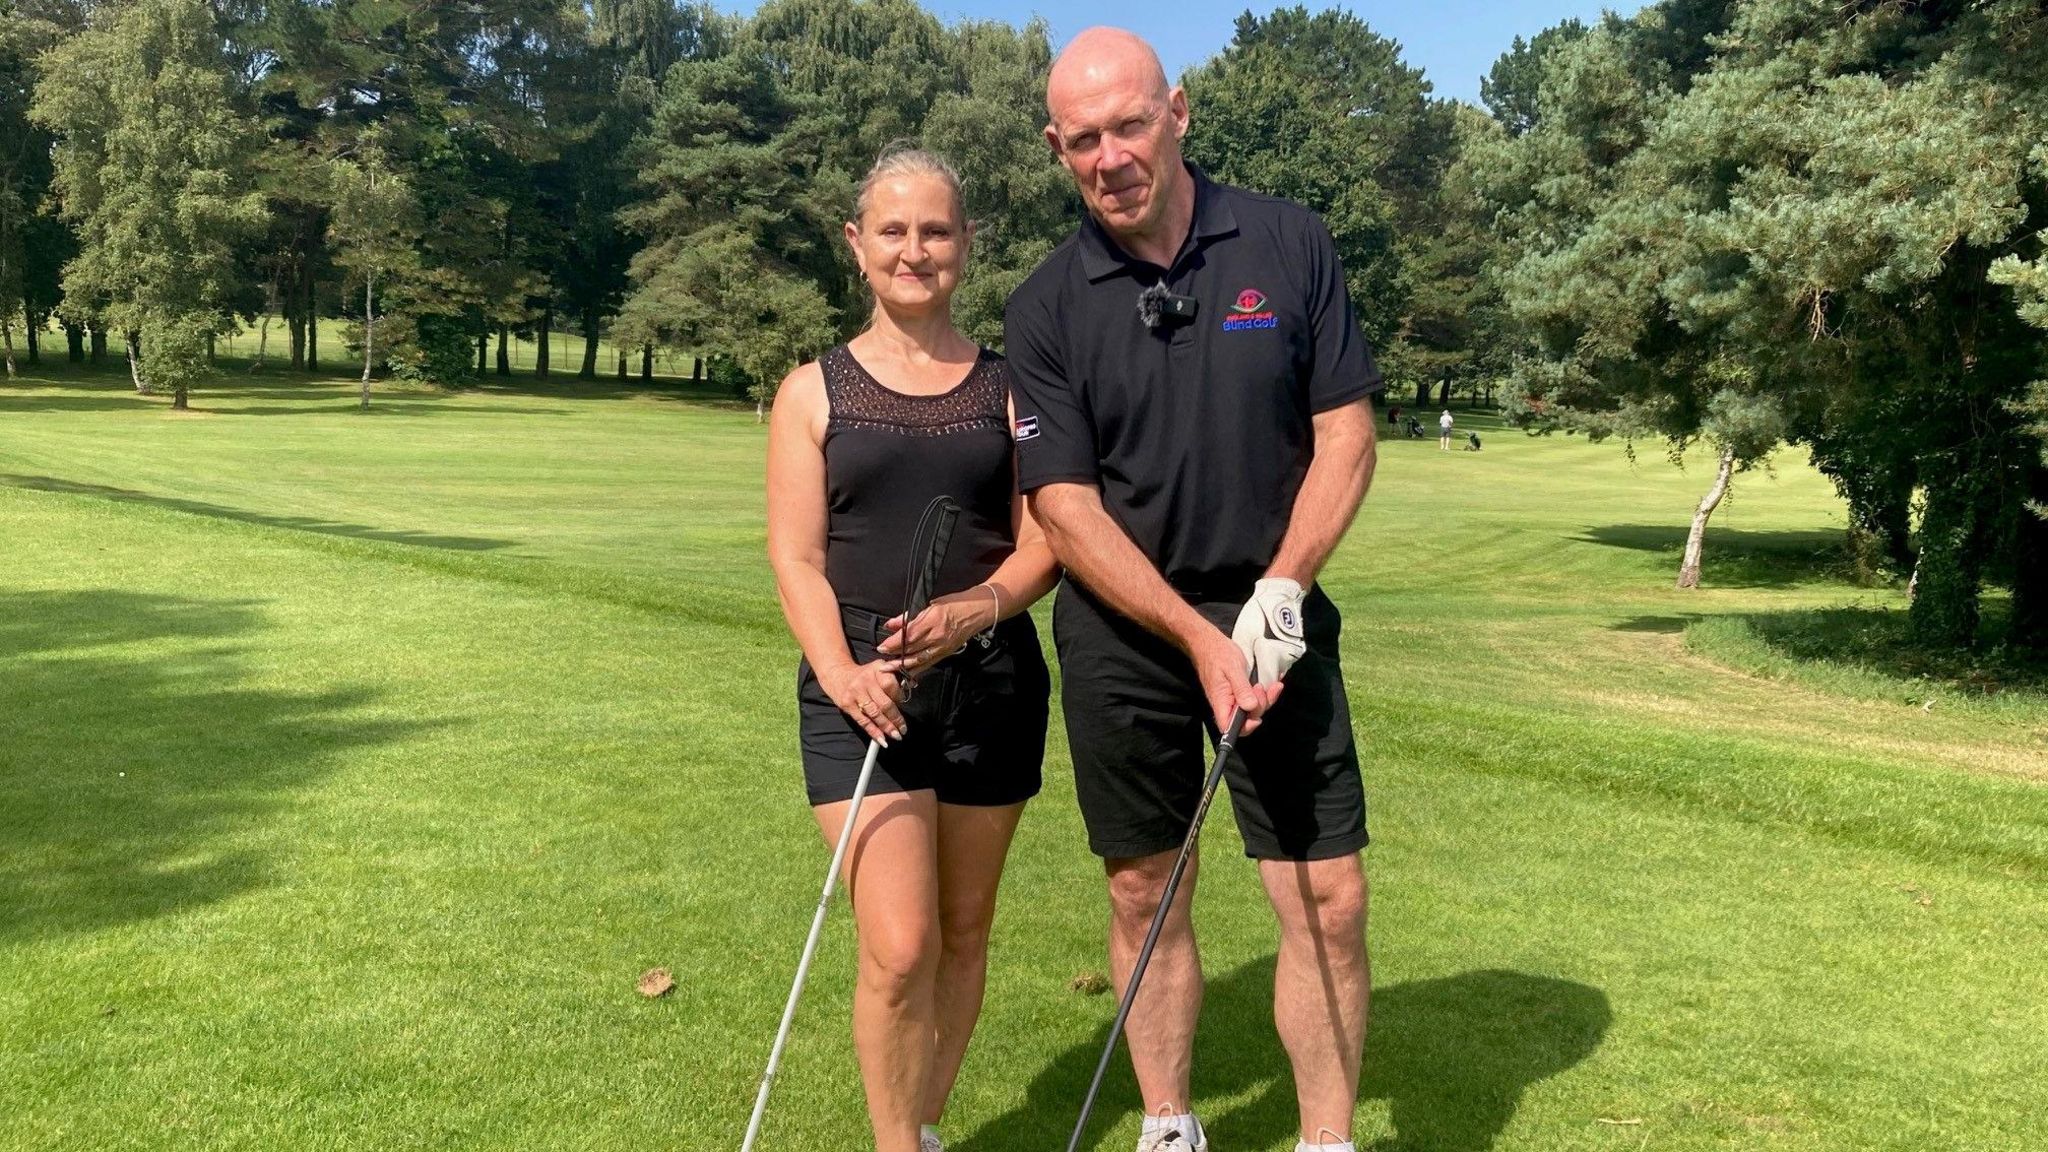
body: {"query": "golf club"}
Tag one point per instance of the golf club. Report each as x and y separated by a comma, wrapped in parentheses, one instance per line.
(1224, 746)
(927, 554)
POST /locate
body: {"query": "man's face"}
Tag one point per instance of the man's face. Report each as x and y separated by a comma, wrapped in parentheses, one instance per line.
(1120, 139)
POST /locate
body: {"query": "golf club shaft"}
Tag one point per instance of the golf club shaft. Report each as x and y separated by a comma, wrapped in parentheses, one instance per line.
(1224, 745)
(803, 966)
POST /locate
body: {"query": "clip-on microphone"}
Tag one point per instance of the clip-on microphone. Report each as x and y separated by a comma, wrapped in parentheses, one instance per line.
(1157, 307)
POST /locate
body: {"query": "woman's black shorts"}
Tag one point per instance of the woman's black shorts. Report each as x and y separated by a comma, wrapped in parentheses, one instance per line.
(976, 723)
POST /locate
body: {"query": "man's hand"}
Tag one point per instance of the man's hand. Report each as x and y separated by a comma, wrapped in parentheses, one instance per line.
(1220, 668)
(1268, 630)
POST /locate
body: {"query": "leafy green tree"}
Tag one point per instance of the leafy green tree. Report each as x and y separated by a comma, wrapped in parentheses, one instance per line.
(153, 167)
(1802, 207)
(1510, 89)
(24, 177)
(1320, 109)
(375, 232)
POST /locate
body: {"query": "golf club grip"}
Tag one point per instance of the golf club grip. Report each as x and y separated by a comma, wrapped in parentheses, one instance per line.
(1225, 744)
(929, 543)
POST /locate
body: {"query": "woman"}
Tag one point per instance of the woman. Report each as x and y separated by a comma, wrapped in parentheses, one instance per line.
(860, 441)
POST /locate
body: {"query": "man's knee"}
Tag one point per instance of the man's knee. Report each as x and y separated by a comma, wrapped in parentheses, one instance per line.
(1135, 886)
(1325, 900)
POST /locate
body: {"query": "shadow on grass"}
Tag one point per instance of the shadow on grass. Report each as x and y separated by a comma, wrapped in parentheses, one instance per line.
(1879, 641)
(126, 774)
(1733, 558)
(298, 523)
(1451, 1056)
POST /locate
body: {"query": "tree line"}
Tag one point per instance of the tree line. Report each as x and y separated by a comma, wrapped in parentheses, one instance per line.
(1729, 223)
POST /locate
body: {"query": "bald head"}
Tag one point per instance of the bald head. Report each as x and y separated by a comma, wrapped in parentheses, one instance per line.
(1101, 58)
(1116, 125)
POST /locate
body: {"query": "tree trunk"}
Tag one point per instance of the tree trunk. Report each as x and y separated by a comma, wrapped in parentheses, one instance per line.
(504, 350)
(589, 369)
(540, 355)
(696, 369)
(1689, 568)
(178, 399)
(209, 350)
(99, 342)
(647, 362)
(297, 325)
(1444, 394)
(35, 342)
(74, 342)
(135, 363)
(622, 363)
(263, 329)
(483, 352)
(7, 339)
(369, 332)
(312, 333)
(2030, 567)
(1421, 395)
(1947, 588)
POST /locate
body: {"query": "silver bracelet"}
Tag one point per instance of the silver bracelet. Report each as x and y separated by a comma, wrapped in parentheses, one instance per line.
(987, 636)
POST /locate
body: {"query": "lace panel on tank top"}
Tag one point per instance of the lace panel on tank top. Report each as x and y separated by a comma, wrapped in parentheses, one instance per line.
(860, 401)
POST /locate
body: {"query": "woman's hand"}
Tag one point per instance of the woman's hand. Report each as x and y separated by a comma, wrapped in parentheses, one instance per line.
(871, 694)
(943, 628)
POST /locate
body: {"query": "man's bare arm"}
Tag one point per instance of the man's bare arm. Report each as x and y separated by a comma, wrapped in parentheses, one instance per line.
(1098, 553)
(1346, 453)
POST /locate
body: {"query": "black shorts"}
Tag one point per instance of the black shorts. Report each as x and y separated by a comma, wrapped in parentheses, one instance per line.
(1135, 717)
(976, 723)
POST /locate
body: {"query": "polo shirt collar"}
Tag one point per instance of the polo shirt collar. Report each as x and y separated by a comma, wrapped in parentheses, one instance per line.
(1101, 258)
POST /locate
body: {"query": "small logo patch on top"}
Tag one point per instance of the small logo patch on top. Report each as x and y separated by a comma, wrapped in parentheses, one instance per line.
(1249, 311)
(1027, 427)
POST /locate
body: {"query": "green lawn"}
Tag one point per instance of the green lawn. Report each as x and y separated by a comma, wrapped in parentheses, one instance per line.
(352, 766)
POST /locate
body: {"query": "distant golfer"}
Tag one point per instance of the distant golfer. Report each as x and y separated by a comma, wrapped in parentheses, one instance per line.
(860, 442)
(1443, 431)
(1195, 428)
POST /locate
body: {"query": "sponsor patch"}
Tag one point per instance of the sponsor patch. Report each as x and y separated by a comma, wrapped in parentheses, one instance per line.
(1249, 311)
(1027, 427)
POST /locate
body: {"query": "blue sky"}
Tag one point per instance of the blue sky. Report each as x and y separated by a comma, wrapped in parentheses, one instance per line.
(1454, 41)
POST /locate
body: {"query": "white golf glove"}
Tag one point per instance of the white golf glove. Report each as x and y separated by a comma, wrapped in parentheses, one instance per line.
(1269, 629)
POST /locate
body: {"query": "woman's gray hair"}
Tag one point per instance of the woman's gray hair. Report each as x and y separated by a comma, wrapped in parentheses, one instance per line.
(905, 158)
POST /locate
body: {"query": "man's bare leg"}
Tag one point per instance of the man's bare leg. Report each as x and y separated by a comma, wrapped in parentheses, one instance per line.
(1321, 984)
(1161, 1030)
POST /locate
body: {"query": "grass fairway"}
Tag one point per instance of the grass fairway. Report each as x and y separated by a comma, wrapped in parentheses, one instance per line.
(352, 766)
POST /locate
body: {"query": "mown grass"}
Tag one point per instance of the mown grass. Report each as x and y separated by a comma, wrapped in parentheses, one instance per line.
(353, 765)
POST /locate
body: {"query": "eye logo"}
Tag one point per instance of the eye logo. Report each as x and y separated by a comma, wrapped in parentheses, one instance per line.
(1249, 311)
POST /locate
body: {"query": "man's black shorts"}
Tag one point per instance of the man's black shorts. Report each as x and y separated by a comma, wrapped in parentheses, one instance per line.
(976, 723)
(1135, 717)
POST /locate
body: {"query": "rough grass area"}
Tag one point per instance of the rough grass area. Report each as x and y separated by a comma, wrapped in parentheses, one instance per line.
(354, 766)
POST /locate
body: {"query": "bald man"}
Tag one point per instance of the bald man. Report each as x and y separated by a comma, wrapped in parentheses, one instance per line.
(1194, 427)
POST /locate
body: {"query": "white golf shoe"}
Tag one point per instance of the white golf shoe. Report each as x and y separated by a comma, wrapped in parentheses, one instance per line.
(928, 1141)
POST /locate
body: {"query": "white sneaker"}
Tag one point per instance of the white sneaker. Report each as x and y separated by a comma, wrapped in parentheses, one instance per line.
(929, 1142)
(1174, 1140)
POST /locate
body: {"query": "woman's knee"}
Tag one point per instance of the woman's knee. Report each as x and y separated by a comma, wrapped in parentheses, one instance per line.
(898, 961)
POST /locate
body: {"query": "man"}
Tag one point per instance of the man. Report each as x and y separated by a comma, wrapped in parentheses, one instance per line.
(1194, 426)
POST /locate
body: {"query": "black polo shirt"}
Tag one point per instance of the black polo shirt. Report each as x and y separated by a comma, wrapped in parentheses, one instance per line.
(1198, 432)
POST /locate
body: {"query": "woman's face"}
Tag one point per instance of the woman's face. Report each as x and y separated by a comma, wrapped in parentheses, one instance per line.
(911, 243)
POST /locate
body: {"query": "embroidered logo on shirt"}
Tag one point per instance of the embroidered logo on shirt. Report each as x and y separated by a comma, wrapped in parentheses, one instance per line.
(1249, 311)
(1027, 427)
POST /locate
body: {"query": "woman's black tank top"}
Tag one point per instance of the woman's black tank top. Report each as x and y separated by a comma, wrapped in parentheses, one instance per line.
(887, 454)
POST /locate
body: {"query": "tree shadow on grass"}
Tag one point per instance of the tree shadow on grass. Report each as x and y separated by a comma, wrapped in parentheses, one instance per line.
(1734, 558)
(1451, 1056)
(297, 523)
(1880, 641)
(132, 754)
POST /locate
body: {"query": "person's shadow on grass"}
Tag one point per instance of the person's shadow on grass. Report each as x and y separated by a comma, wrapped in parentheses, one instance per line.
(1452, 1056)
